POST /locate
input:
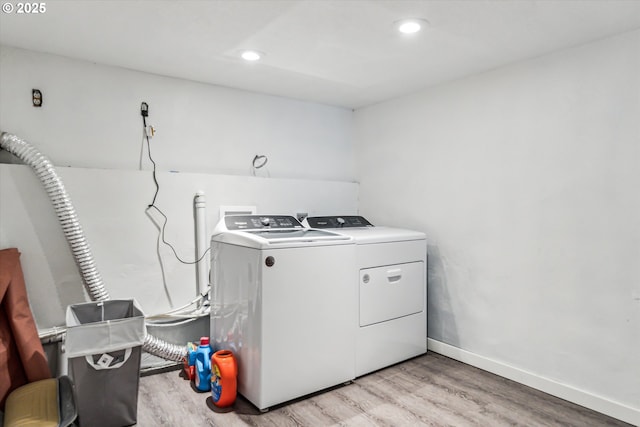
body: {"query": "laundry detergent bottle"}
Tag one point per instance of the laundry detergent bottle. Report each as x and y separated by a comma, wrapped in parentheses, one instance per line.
(203, 365)
(224, 372)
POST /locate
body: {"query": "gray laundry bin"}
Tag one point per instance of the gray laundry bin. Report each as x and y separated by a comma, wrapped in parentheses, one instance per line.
(103, 345)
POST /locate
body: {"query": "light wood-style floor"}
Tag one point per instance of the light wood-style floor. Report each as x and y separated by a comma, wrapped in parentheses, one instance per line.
(430, 390)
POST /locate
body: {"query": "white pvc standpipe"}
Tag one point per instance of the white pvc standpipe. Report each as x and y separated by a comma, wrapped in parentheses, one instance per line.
(202, 267)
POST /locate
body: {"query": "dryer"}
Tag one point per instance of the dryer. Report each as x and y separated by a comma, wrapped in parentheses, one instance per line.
(282, 301)
(392, 290)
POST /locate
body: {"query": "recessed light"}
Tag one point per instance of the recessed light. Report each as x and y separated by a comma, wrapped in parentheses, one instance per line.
(251, 55)
(410, 26)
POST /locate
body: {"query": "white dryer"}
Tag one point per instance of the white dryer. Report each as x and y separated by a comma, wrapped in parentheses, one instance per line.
(392, 290)
(282, 301)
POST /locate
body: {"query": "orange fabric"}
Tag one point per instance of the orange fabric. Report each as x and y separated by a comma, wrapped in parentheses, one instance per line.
(22, 358)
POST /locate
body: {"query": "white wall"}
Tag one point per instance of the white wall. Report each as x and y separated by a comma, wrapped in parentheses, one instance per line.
(91, 118)
(525, 179)
(90, 121)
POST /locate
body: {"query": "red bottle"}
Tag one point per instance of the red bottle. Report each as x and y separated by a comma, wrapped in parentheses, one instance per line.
(224, 372)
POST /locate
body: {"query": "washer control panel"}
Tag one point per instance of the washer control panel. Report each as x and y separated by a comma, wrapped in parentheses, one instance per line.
(258, 222)
(338, 221)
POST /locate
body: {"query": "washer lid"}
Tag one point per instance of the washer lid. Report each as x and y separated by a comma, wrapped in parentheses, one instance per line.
(280, 239)
(273, 231)
(296, 235)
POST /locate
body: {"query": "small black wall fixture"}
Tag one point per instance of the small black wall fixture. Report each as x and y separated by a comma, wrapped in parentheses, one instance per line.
(36, 96)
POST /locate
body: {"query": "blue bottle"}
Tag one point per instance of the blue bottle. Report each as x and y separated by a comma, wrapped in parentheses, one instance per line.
(203, 365)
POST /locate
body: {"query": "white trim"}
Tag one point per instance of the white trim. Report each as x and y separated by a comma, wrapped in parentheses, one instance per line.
(563, 391)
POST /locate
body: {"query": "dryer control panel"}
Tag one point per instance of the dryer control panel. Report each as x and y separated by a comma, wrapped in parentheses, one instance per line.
(258, 222)
(337, 221)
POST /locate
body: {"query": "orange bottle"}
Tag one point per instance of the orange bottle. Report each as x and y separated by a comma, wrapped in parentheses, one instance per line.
(224, 372)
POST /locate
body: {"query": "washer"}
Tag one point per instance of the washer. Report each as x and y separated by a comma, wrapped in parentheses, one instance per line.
(392, 290)
(282, 301)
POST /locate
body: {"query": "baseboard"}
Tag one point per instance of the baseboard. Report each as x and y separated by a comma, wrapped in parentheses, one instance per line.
(571, 394)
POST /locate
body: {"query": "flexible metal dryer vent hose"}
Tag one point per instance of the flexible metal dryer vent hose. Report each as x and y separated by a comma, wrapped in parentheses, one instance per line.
(91, 278)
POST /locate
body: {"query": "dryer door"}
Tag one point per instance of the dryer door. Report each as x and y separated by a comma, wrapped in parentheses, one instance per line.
(391, 292)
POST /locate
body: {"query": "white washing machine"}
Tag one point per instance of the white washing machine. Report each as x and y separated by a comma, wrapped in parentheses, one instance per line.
(392, 290)
(282, 301)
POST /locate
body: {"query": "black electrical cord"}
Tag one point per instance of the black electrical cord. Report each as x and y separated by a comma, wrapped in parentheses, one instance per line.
(155, 180)
(155, 195)
(164, 224)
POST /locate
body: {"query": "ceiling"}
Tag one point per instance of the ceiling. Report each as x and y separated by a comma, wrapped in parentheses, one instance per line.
(338, 52)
